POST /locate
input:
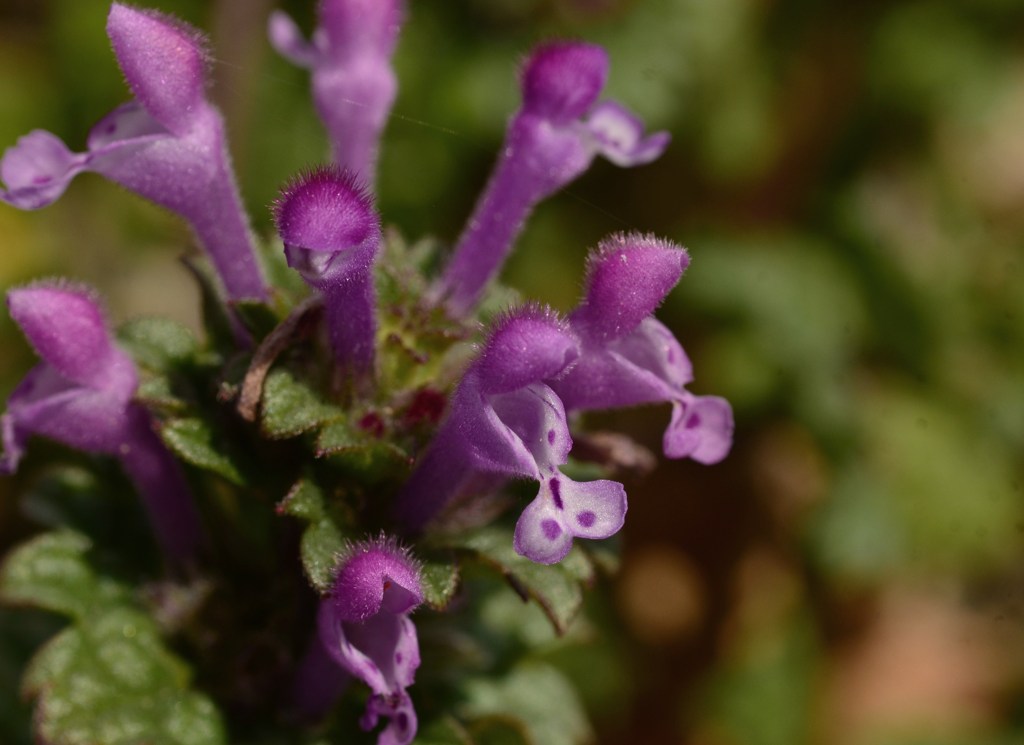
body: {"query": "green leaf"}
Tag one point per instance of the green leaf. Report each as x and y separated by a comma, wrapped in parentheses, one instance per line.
(156, 391)
(337, 437)
(195, 441)
(325, 536)
(534, 699)
(258, 318)
(341, 439)
(440, 576)
(291, 407)
(158, 343)
(556, 588)
(49, 572)
(107, 680)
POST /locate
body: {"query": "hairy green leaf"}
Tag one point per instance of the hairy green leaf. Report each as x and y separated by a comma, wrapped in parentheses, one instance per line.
(195, 442)
(291, 407)
(556, 588)
(106, 679)
(49, 572)
(440, 575)
(158, 344)
(325, 535)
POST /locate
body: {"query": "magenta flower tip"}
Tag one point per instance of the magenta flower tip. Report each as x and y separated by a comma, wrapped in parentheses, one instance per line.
(562, 80)
(627, 278)
(526, 345)
(376, 575)
(326, 209)
(66, 327)
(331, 236)
(163, 60)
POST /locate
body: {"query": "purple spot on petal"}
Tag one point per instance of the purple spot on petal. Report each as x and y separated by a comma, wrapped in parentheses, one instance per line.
(586, 518)
(110, 128)
(551, 529)
(671, 356)
(398, 658)
(551, 437)
(556, 492)
(402, 720)
(38, 180)
(693, 421)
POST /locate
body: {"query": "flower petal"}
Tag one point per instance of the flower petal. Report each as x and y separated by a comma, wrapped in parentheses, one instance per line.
(562, 80)
(164, 63)
(477, 432)
(701, 429)
(593, 509)
(67, 329)
(129, 124)
(38, 169)
(619, 136)
(628, 276)
(651, 346)
(646, 366)
(537, 417)
(326, 211)
(401, 728)
(361, 26)
(541, 532)
(377, 576)
(288, 41)
(334, 633)
(526, 346)
(46, 404)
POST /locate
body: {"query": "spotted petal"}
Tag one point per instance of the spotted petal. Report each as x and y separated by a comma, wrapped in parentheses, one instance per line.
(701, 429)
(37, 170)
(541, 532)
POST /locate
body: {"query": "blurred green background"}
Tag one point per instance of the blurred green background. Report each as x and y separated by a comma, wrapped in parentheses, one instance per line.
(849, 179)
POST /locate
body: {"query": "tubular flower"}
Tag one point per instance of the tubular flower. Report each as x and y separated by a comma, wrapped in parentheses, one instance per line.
(505, 422)
(331, 237)
(81, 395)
(167, 145)
(354, 86)
(549, 142)
(364, 626)
(628, 358)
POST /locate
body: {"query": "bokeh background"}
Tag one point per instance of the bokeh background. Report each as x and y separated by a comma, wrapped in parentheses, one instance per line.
(849, 178)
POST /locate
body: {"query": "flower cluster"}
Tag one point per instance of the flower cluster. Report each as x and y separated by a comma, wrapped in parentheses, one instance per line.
(508, 416)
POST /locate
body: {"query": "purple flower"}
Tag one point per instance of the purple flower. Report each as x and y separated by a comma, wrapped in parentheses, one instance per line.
(331, 236)
(167, 145)
(81, 395)
(627, 357)
(505, 422)
(364, 626)
(550, 142)
(354, 86)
